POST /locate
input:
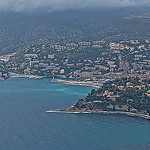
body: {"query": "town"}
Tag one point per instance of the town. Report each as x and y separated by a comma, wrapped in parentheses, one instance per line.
(96, 61)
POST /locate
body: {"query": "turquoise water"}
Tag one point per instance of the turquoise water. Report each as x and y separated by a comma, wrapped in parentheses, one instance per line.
(25, 125)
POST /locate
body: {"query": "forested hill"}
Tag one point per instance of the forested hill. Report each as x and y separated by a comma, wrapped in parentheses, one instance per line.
(124, 95)
(20, 30)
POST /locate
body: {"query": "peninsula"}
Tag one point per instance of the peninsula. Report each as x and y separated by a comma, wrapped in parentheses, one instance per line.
(126, 96)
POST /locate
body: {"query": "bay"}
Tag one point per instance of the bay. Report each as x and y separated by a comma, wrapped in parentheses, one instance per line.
(25, 125)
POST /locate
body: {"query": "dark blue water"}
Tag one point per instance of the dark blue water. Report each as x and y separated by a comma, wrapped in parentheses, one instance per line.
(25, 125)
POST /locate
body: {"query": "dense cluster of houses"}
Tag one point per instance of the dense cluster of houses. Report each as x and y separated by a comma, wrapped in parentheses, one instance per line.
(116, 60)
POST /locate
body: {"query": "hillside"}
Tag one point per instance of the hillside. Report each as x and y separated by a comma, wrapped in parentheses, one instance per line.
(19, 30)
(124, 96)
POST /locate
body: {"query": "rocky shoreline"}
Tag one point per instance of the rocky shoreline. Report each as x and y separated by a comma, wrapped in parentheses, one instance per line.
(100, 112)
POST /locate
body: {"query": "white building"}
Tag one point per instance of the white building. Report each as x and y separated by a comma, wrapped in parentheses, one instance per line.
(51, 56)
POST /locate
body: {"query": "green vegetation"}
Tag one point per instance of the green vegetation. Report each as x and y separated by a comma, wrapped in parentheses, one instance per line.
(125, 94)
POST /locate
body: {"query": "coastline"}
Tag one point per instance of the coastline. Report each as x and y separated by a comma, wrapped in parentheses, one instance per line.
(83, 111)
(83, 83)
(77, 111)
(71, 82)
(100, 112)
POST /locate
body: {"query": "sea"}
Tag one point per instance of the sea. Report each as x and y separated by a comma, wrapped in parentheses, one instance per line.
(25, 124)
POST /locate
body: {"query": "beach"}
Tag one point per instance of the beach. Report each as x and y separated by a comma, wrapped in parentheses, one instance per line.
(88, 83)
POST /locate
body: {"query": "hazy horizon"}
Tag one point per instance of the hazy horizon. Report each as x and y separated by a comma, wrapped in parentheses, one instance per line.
(54, 5)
